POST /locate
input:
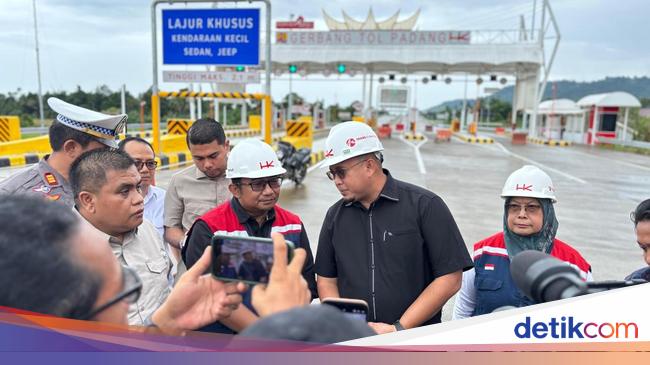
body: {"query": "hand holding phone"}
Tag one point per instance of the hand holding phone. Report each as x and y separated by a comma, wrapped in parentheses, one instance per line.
(245, 259)
(287, 288)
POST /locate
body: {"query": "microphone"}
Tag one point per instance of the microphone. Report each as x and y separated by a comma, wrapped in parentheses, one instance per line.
(544, 278)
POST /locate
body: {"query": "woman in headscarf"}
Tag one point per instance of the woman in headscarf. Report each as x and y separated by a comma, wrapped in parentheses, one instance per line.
(529, 223)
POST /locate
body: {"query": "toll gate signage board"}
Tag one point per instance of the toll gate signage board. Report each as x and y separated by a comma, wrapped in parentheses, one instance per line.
(211, 37)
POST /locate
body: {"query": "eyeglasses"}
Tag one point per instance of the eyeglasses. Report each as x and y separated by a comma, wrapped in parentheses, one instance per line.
(260, 185)
(529, 208)
(151, 164)
(131, 289)
(341, 171)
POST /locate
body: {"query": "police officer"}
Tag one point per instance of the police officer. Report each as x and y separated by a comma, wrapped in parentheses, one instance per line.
(75, 131)
(390, 243)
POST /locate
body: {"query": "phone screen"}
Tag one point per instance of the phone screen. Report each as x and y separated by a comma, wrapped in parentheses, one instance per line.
(246, 259)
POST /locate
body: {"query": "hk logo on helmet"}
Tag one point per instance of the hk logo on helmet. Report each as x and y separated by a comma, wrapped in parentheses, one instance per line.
(329, 153)
(351, 142)
(523, 187)
(268, 164)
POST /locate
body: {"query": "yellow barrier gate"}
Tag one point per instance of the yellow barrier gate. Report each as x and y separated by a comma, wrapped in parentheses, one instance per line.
(300, 133)
(155, 108)
(9, 128)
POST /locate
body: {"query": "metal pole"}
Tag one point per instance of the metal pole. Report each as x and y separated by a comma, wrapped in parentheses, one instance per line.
(244, 112)
(489, 99)
(199, 106)
(38, 68)
(363, 94)
(290, 106)
(190, 102)
(415, 104)
(594, 126)
(370, 92)
(268, 104)
(155, 100)
(216, 110)
(123, 99)
(627, 112)
(547, 68)
(513, 114)
(463, 114)
(532, 27)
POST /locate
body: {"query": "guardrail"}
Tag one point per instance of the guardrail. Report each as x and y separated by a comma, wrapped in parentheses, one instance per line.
(637, 144)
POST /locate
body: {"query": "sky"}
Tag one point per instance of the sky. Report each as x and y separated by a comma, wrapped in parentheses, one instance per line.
(95, 42)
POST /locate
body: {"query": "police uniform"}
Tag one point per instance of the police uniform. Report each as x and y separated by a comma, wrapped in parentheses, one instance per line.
(39, 179)
(43, 180)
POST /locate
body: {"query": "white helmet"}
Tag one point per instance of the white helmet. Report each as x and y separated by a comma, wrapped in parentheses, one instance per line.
(350, 139)
(529, 181)
(253, 159)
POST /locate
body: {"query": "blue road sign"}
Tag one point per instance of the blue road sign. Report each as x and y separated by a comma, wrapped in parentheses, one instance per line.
(211, 36)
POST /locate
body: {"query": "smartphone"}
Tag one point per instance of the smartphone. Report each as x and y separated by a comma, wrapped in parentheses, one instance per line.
(245, 259)
(353, 308)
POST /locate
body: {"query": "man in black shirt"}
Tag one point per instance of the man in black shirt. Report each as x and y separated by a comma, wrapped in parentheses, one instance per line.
(390, 243)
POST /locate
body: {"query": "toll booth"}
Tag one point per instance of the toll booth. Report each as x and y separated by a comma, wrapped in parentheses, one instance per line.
(603, 115)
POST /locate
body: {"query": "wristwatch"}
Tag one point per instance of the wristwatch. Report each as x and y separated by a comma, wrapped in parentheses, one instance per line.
(398, 326)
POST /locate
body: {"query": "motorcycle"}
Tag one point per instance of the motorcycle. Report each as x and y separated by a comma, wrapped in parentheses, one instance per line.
(294, 161)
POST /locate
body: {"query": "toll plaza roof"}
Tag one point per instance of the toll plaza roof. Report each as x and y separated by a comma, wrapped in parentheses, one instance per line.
(483, 52)
(613, 99)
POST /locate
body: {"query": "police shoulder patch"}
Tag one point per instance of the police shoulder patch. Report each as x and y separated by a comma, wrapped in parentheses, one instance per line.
(50, 178)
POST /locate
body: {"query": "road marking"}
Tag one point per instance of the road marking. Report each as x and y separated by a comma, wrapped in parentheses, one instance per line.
(539, 164)
(416, 150)
(630, 164)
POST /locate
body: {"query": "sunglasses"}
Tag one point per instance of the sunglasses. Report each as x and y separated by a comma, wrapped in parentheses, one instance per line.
(530, 208)
(341, 171)
(260, 185)
(131, 289)
(151, 164)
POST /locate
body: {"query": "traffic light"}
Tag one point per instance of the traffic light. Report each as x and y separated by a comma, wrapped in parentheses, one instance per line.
(293, 69)
(341, 68)
(240, 68)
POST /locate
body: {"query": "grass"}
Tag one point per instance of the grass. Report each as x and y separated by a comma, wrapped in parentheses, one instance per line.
(629, 149)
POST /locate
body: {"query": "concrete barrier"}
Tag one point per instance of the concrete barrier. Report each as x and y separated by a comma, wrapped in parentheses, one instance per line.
(472, 139)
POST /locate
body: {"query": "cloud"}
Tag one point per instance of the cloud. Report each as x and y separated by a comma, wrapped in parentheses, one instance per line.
(96, 42)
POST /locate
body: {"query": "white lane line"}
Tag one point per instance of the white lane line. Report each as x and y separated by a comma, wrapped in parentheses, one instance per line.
(539, 164)
(630, 164)
(416, 150)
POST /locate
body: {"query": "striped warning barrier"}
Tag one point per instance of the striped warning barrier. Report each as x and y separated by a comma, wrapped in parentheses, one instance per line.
(472, 139)
(179, 126)
(205, 94)
(549, 142)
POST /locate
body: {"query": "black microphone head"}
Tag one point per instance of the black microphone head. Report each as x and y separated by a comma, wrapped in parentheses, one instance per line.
(542, 277)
